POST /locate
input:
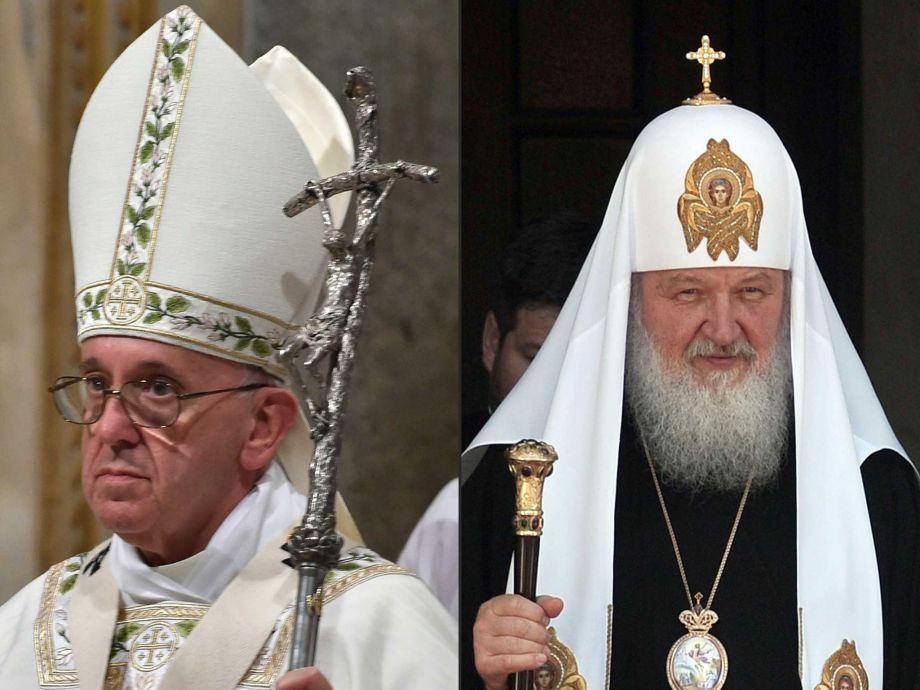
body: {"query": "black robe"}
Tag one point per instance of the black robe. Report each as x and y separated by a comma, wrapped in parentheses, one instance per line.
(756, 600)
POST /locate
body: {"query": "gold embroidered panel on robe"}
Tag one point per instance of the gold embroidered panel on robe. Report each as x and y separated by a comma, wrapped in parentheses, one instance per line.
(147, 637)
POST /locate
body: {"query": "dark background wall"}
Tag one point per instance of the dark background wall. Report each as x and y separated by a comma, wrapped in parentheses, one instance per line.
(891, 210)
(553, 95)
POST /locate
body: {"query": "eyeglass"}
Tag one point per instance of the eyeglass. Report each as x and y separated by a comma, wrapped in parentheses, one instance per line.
(153, 404)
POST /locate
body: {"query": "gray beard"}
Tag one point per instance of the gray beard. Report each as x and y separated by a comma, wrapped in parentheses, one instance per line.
(715, 436)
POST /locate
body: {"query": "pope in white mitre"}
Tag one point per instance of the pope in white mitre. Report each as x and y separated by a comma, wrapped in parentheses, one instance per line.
(189, 279)
(729, 506)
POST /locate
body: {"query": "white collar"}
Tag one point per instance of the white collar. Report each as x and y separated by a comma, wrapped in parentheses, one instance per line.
(265, 512)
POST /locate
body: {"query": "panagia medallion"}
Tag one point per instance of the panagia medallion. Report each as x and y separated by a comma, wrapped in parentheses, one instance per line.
(697, 661)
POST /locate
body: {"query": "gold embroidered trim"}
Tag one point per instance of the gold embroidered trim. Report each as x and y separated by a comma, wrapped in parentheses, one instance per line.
(266, 669)
(115, 676)
(801, 643)
(844, 670)
(137, 149)
(167, 609)
(268, 664)
(169, 312)
(609, 667)
(562, 665)
(197, 295)
(149, 178)
(222, 303)
(43, 633)
(186, 78)
(180, 310)
(342, 585)
(263, 672)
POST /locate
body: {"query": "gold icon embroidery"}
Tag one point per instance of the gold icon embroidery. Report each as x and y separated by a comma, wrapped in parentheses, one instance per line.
(720, 202)
(844, 670)
(560, 672)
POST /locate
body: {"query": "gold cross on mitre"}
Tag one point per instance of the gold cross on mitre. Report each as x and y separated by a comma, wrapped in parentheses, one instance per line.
(706, 55)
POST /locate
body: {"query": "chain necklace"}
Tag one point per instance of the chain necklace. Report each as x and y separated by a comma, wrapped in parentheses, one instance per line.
(698, 659)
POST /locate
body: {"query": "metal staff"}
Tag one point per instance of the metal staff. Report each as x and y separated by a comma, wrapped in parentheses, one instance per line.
(531, 462)
(320, 355)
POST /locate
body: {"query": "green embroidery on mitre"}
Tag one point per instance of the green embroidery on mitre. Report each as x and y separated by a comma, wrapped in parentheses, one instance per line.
(226, 329)
(125, 300)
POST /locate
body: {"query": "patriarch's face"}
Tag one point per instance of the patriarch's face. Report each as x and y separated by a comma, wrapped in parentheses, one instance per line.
(721, 322)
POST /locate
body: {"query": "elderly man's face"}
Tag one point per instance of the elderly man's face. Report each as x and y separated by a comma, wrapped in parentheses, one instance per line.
(705, 316)
(165, 490)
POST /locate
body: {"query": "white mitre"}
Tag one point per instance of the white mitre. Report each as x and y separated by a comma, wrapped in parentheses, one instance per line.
(181, 165)
(664, 214)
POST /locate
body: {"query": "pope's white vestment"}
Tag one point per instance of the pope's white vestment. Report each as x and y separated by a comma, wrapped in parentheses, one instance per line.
(223, 618)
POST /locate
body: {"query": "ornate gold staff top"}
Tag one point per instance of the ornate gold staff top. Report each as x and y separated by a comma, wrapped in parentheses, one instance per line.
(706, 55)
(531, 462)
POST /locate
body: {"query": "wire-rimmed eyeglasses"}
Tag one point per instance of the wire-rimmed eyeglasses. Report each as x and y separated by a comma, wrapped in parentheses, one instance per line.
(148, 403)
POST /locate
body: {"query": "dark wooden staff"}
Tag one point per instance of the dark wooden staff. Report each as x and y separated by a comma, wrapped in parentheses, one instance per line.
(531, 462)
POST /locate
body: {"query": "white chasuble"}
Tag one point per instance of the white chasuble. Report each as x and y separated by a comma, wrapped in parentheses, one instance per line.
(242, 639)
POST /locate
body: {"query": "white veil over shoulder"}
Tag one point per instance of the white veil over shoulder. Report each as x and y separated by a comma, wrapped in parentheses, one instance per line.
(572, 395)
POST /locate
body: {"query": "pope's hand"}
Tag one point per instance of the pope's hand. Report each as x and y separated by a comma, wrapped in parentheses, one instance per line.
(510, 635)
(303, 679)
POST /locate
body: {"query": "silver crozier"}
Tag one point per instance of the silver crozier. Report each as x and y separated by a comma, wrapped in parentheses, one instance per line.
(320, 355)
